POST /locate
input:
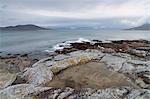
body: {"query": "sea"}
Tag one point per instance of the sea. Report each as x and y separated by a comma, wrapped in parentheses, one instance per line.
(48, 40)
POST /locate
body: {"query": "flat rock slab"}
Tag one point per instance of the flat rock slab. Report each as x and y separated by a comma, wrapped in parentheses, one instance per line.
(38, 75)
(90, 75)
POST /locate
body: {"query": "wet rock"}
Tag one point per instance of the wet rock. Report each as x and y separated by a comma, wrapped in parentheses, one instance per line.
(97, 41)
(118, 46)
(131, 41)
(143, 48)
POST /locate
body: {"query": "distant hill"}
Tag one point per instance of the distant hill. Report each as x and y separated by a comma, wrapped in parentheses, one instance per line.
(22, 28)
(142, 27)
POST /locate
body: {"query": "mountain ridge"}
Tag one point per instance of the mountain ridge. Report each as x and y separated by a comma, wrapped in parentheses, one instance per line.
(23, 28)
(145, 26)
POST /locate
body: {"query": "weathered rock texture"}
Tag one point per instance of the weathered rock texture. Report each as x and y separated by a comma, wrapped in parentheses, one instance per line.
(115, 70)
(6, 77)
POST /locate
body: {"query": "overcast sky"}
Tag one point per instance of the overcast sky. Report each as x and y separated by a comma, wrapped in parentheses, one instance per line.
(75, 12)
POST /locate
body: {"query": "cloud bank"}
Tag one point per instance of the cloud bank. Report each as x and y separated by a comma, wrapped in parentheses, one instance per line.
(75, 12)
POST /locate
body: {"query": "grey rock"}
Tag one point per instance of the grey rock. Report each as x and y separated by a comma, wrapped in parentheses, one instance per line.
(21, 91)
(6, 77)
(38, 75)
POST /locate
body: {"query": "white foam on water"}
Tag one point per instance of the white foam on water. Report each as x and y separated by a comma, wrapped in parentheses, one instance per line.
(60, 46)
(67, 44)
(49, 51)
(80, 40)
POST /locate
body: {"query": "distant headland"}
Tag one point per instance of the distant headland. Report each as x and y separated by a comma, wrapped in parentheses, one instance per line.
(142, 27)
(26, 27)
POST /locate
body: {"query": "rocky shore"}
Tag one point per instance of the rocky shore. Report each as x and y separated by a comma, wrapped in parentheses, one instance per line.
(81, 70)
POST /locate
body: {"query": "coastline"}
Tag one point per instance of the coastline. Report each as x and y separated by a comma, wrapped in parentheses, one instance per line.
(128, 57)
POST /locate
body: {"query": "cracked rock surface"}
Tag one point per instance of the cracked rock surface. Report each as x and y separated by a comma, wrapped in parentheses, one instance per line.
(115, 70)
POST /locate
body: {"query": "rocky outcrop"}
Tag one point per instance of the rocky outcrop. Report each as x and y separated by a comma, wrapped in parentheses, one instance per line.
(42, 71)
(119, 62)
(129, 59)
(118, 46)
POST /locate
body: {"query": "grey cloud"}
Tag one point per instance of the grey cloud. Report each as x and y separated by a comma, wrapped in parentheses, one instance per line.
(14, 12)
(60, 5)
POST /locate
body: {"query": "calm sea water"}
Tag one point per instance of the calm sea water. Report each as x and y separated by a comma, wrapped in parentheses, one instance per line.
(25, 41)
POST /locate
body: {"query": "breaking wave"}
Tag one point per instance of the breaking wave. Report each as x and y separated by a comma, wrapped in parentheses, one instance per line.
(67, 44)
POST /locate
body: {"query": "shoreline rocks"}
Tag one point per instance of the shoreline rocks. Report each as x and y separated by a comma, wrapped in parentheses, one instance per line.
(129, 58)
